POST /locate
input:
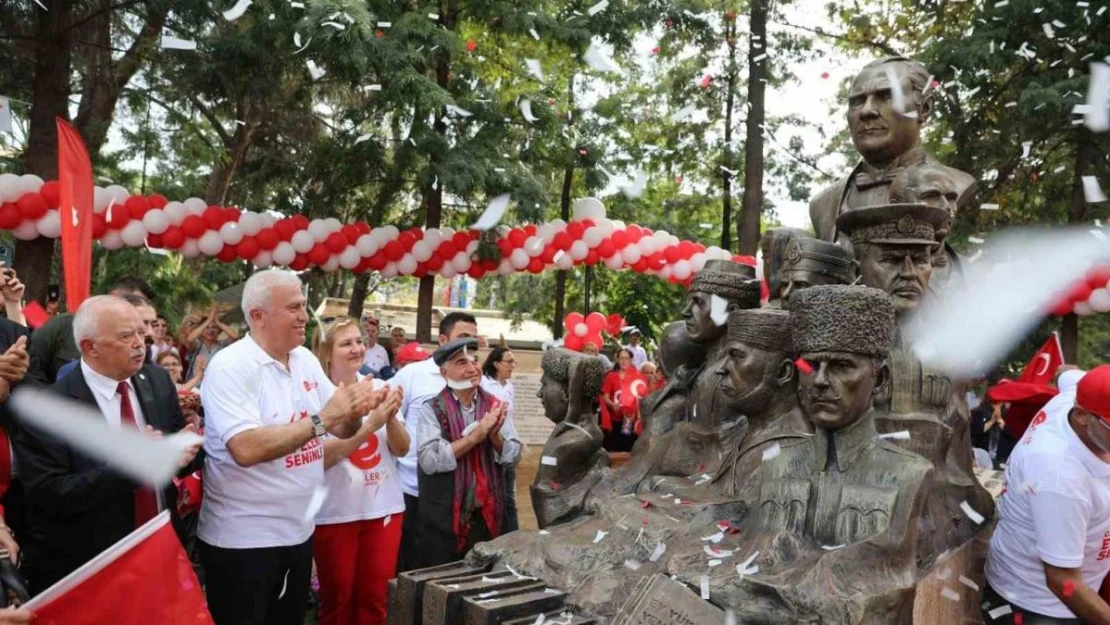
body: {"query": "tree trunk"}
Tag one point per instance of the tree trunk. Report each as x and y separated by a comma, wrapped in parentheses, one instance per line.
(568, 182)
(726, 164)
(219, 181)
(1077, 214)
(49, 100)
(358, 295)
(752, 209)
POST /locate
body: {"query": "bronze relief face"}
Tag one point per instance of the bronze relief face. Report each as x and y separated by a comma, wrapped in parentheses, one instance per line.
(839, 390)
(747, 376)
(553, 395)
(698, 318)
(879, 132)
(902, 271)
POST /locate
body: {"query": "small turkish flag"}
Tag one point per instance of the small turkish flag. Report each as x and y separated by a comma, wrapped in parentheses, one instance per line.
(1041, 369)
(144, 578)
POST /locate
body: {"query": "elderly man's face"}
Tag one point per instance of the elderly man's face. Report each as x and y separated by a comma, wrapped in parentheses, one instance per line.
(840, 389)
(118, 351)
(879, 132)
(462, 367)
(903, 271)
(699, 321)
(284, 318)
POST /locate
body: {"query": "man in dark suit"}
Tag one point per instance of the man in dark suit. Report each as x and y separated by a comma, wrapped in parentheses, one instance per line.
(77, 506)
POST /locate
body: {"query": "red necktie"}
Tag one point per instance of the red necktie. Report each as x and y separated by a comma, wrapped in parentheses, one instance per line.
(146, 502)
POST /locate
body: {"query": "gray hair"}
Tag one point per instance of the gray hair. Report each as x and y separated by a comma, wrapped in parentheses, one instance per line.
(256, 292)
(86, 323)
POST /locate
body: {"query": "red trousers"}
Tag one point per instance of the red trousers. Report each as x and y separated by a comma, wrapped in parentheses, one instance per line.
(354, 563)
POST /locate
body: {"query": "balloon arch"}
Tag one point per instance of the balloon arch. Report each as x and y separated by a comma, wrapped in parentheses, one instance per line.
(29, 209)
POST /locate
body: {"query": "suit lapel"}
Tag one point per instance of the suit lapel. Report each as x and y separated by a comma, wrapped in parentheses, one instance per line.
(78, 388)
(145, 392)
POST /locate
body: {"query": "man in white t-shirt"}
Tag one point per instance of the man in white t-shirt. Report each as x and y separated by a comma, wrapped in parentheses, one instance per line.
(376, 358)
(1051, 549)
(639, 354)
(267, 402)
(422, 381)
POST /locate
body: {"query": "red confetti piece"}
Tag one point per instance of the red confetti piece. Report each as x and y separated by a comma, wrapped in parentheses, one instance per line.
(554, 485)
(701, 467)
(669, 23)
(645, 520)
(705, 82)
(678, 179)
(824, 75)
(380, 33)
(1069, 588)
(804, 366)
(1019, 618)
(655, 50)
(936, 83)
(583, 152)
(471, 45)
(645, 504)
(730, 15)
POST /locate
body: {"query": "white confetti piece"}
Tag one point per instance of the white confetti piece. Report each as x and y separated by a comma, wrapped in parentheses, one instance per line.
(544, 533)
(771, 452)
(988, 207)
(1097, 117)
(362, 138)
(314, 71)
(596, 58)
(832, 547)
(897, 95)
(715, 563)
(632, 565)
(705, 587)
(714, 552)
(1091, 191)
(601, 534)
(315, 503)
(388, 520)
(975, 240)
(1001, 3)
(237, 11)
(175, 43)
(141, 457)
(950, 594)
(549, 461)
(760, 57)
(730, 617)
(1048, 32)
(597, 8)
(535, 35)
(660, 549)
(971, 513)
(385, 24)
(967, 582)
(433, 16)
(526, 110)
(534, 68)
(1001, 610)
(490, 218)
(638, 186)
(374, 88)
(903, 435)
(718, 309)
(297, 42)
(458, 111)
(746, 568)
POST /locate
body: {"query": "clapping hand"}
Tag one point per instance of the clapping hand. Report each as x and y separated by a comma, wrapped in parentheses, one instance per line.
(387, 407)
(14, 361)
(491, 422)
(350, 403)
(10, 285)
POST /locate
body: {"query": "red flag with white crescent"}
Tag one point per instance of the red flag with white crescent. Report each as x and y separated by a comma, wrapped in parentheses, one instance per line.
(75, 208)
(1041, 369)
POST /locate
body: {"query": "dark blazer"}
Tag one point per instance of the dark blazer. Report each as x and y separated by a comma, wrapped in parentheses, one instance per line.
(76, 506)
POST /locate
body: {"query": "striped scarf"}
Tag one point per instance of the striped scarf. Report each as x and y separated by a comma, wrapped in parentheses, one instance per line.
(478, 478)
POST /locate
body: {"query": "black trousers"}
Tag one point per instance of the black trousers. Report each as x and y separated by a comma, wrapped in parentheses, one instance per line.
(266, 586)
(992, 601)
(407, 555)
(512, 520)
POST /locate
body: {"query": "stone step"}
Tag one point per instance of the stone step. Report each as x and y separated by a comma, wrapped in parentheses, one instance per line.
(443, 598)
(510, 606)
(555, 617)
(406, 593)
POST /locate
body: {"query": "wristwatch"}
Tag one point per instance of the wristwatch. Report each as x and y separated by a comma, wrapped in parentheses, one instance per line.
(318, 429)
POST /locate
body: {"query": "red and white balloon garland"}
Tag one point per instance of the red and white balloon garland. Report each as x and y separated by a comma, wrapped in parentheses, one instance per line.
(28, 208)
(1087, 296)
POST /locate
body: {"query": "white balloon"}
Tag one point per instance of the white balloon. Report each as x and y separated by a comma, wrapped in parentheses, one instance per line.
(389, 271)
(564, 260)
(422, 251)
(30, 183)
(134, 234)
(156, 221)
(210, 243)
(263, 259)
(101, 199)
(666, 272)
(605, 226)
(250, 223)
(592, 236)
(284, 253)
(448, 271)
(559, 225)
(533, 246)
(367, 245)
(682, 269)
(461, 261)
(407, 265)
(579, 250)
(619, 225)
(506, 267)
(268, 219)
(318, 229)
(303, 241)
(49, 225)
(519, 259)
(697, 261)
(177, 212)
(230, 233)
(446, 232)
(713, 252)
(331, 265)
(118, 194)
(333, 225)
(10, 187)
(194, 205)
(545, 232)
(1100, 300)
(580, 329)
(472, 247)
(631, 254)
(1083, 309)
(349, 258)
(588, 208)
(110, 241)
(390, 232)
(433, 237)
(648, 246)
(614, 262)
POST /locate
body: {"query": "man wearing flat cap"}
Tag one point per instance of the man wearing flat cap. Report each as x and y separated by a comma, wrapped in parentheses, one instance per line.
(465, 442)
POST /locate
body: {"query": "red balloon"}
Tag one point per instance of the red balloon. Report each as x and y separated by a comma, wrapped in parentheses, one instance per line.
(595, 321)
(606, 248)
(476, 271)
(231, 214)
(285, 228)
(517, 237)
(548, 255)
(435, 263)
(562, 241)
(137, 206)
(119, 217)
(248, 248)
(1098, 277)
(300, 221)
(1063, 307)
(227, 254)
(319, 254)
(363, 228)
(461, 239)
(572, 320)
(588, 222)
(267, 238)
(634, 233)
(447, 249)
(620, 239)
(378, 261)
(300, 263)
(214, 217)
(535, 265)
(33, 206)
(640, 266)
(530, 230)
(671, 254)
(394, 250)
(157, 200)
(193, 226)
(173, 237)
(336, 242)
(656, 261)
(1081, 292)
(489, 264)
(575, 229)
(351, 233)
(573, 342)
(52, 194)
(9, 216)
(505, 246)
(592, 257)
(154, 241)
(685, 249)
(100, 226)
(407, 239)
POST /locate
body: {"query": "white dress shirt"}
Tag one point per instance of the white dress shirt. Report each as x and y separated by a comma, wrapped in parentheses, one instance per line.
(421, 381)
(106, 392)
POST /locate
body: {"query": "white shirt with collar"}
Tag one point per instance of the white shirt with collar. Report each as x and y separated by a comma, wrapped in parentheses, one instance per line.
(264, 505)
(106, 392)
(421, 381)
(376, 357)
(639, 355)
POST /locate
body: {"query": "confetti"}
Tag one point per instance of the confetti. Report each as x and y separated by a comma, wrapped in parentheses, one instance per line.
(535, 35)
(597, 8)
(388, 519)
(771, 452)
(803, 365)
(660, 549)
(966, 581)
(319, 494)
(548, 461)
(335, 25)
(490, 218)
(385, 24)
(1019, 618)
(1069, 589)
(362, 138)
(458, 111)
(971, 513)
(636, 189)
(714, 538)
(597, 59)
(950, 594)
(975, 240)
(1097, 117)
(1091, 191)
(897, 95)
(718, 310)
(746, 568)
(903, 435)
(632, 565)
(714, 563)
(534, 68)
(832, 547)
(705, 587)
(988, 207)
(1001, 610)
(526, 110)
(174, 43)
(237, 11)
(601, 534)
(314, 71)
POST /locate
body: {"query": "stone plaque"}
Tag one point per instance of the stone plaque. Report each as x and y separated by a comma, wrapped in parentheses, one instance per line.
(513, 605)
(556, 617)
(534, 428)
(409, 597)
(664, 601)
(443, 598)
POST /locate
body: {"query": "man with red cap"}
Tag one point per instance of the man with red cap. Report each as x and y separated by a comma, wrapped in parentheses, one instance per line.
(1051, 548)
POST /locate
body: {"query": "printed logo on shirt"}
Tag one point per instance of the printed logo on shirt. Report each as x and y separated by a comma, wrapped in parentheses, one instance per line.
(366, 457)
(1104, 549)
(1037, 420)
(310, 452)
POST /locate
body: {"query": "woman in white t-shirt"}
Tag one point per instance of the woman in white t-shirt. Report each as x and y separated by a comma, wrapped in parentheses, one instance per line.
(496, 374)
(358, 528)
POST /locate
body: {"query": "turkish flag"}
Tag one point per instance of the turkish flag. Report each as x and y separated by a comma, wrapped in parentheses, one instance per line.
(75, 208)
(144, 578)
(1042, 367)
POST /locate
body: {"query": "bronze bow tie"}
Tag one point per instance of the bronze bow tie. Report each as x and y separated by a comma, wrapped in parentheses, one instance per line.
(864, 180)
